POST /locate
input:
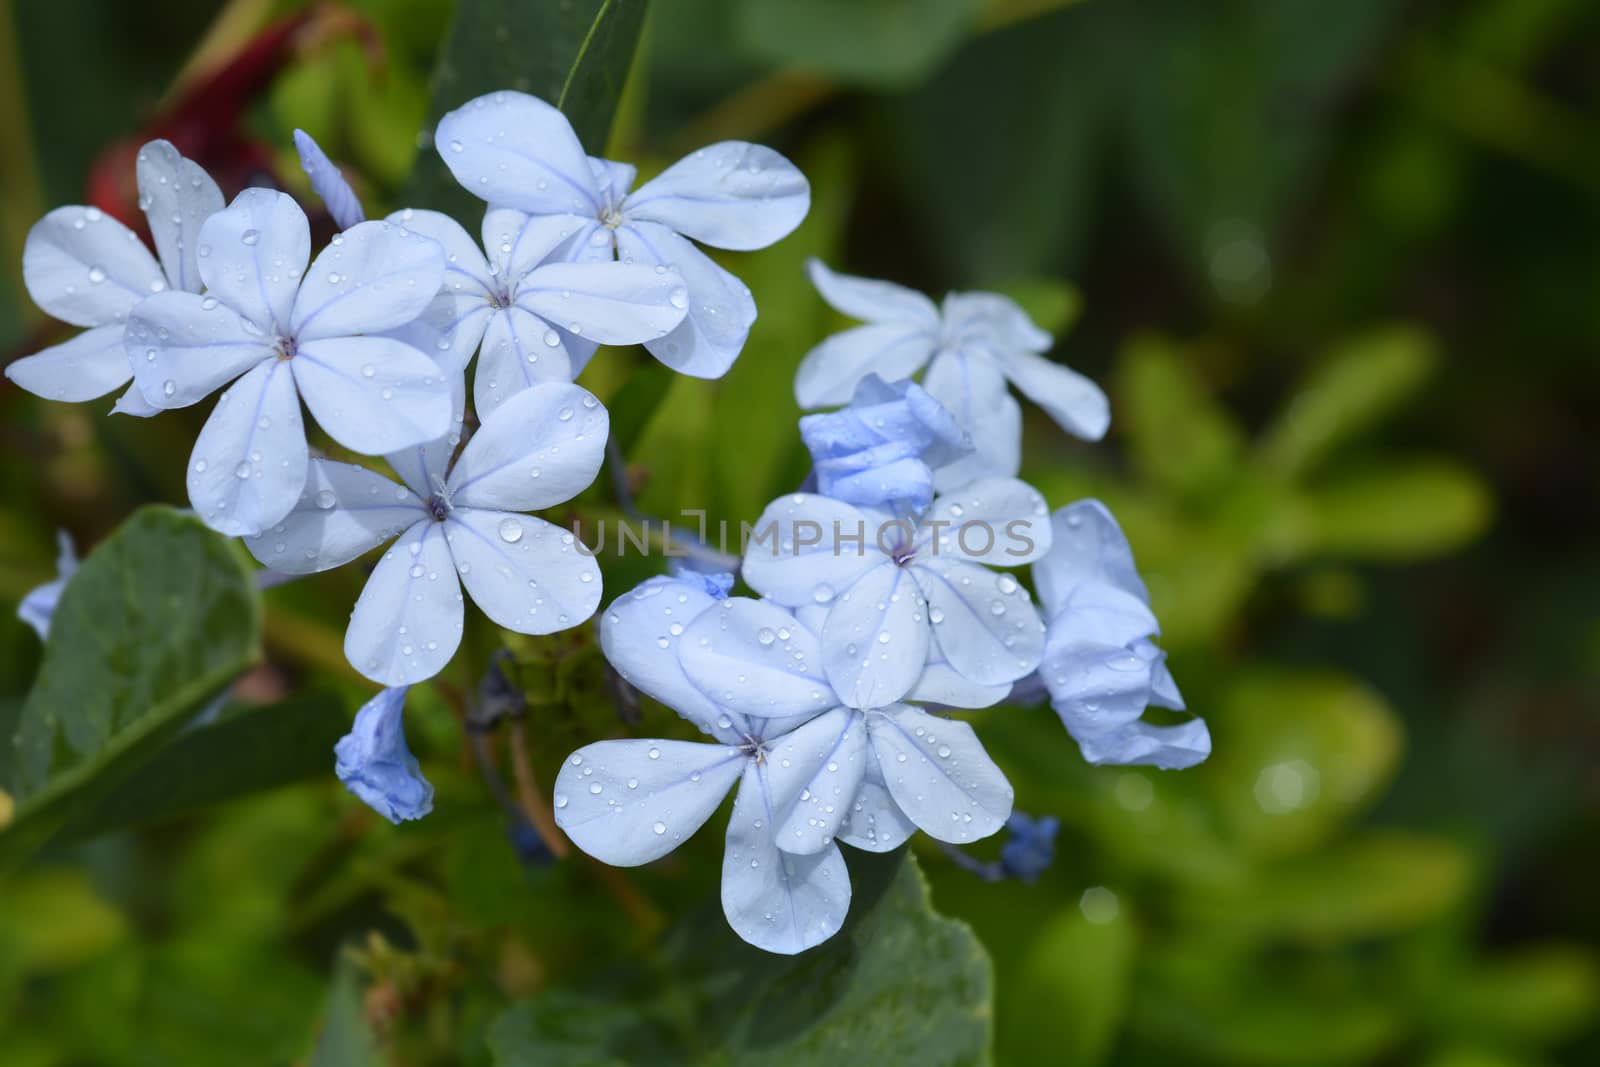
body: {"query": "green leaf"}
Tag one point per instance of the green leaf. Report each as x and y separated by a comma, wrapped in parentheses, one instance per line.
(159, 619)
(346, 1039)
(637, 402)
(1396, 510)
(1071, 992)
(877, 43)
(1181, 439)
(1363, 380)
(575, 54)
(252, 750)
(1539, 995)
(899, 984)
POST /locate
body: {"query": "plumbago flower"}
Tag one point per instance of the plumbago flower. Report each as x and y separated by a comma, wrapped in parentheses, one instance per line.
(537, 450)
(294, 334)
(344, 207)
(880, 451)
(373, 762)
(972, 346)
(809, 772)
(516, 151)
(1101, 664)
(900, 591)
(90, 270)
(526, 309)
(39, 606)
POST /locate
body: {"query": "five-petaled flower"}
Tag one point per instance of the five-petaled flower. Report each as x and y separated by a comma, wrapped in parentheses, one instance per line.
(90, 270)
(537, 450)
(373, 762)
(294, 334)
(516, 151)
(972, 347)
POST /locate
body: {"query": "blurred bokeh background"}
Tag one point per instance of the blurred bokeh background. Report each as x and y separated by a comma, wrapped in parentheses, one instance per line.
(1338, 266)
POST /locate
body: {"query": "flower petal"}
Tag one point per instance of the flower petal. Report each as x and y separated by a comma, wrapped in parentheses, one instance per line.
(831, 371)
(89, 365)
(466, 269)
(708, 339)
(328, 183)
(1172, 748)
(375, 276)
(777, 902)
(641, 635)
(249, 462)
(407, 622)
(86, 268)
(526, 574)
(633, 801)
(373, 395)
(974, 391)
(1077, 404)
(871, 300)
(423, 467)
(1000, 521)
(815, 772)
(875, 822)
(751, 657)
(520, 350)
(253, 254)
(132, 402)
(728, 195)
(538, 449)
(803, 549)
(943, 684)
(613, 303)
(875, 642)
(985, 622)
(998, 320)
(343, 512)
(192, 344)
(177, 196)
(939, 774)
(515, 150)
(1086, 545)
(517, 242)
(1102, 614)
(373, 762)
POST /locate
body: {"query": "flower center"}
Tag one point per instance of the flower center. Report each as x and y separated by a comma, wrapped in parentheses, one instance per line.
(438, 507)
(611, 218)
(286, 348)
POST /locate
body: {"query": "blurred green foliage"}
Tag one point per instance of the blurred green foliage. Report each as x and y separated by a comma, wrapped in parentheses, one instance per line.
(1336, 265)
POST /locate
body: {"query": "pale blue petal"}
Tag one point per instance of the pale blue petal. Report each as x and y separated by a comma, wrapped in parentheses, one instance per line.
(751, 657)
(815, 772)
(629, 802)
(871, 300)
(343, 205)
(517, 242)
(875, 822)
(450, 328)
(1172, 748)
(986, 623)
(515, 150)
(39, 606)
(613, 179)
(727, 195)
(998, 521)
(641, 634)
(1087, 546)
(343, 512)
(943, 684)
(995, 320)
(373, 395)
(1164, 688)
(832, 370)
(798, 552)
(875, 642)
(466, 270)
(520, 350)
(191, 343)
(253, 254)
(375, 276)
(177, 196)
(424, 467)
(939, 774)
(720, 308)
(974, 391)
(540, 448)
(373, 762)
(1100, 613)
(84, 267)
(878, 451)
(612, 303)
(775, 901)
(132, 402)
(407, 622)
(1077, 404)
(249, 462)
(1096, 687)
(526, 574)
(89, 365)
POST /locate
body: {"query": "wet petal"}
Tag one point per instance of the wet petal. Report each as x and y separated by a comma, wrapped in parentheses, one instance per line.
(871, 300)
(84, 267)
(343, 512)
(526, 574)
(986, 623)
(831, 371)
(939, 774)
(815, 772)
(253, 254)
(727, 195)
(407, 622)
(804, 549)
(375, 276)
(373, 394)
(751, 657)
(177, 196)
(515, 150)
(540, 448)
(89, 365)
(875, 641)
(249, 462)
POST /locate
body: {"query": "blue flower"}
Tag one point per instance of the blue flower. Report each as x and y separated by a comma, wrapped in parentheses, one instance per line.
(516, 151)
(881, 450)
(810, 773)
(328, 183)
(537, 450)
(88, 269)
(294, 334)
(39, 605)
(717, 585)
(1101, 664)
(1030, 846)
(900, 593)
(373, 762)
(972, 346)
(530, 309)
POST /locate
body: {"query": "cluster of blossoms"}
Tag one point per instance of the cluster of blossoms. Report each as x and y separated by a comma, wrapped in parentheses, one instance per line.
(884, 590)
